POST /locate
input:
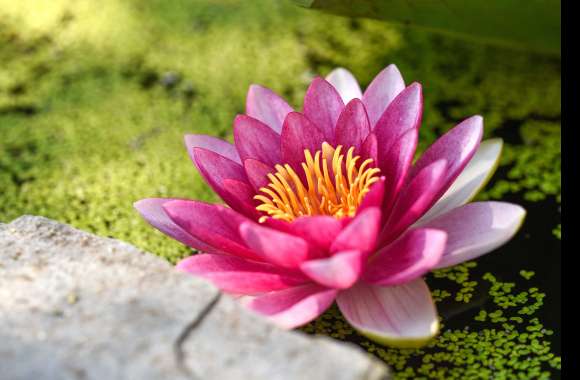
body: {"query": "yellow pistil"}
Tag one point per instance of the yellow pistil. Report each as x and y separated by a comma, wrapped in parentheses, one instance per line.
(335, 189)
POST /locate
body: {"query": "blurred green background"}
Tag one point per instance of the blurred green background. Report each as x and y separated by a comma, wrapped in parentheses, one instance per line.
(96, 96)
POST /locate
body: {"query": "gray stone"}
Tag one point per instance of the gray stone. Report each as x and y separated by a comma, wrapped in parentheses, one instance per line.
(77, 306)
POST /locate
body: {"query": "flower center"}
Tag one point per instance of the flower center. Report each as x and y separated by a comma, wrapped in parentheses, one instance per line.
(335, 186)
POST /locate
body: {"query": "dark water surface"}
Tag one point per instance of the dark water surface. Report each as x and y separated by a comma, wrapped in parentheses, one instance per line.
(534, 248)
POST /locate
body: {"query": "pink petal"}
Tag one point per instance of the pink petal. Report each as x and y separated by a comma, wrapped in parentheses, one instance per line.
(340, 271)
(382, 90)
(457, 147)
(242, 195)
(396, 163)
(256, 140)
(273, 246)
(299, 134)
(409, 257)
(361, 233)
(215, 225)
(370, 149)
(265, 105)
(221, 147)
(323, 105)
(215, 169)
(374, 197)
(257, 173)
(402, 114)
(345, 83)
(293, 307)
(309, 227)
(416, 197)
(473, 178)
(476, 229)
(236, 275)
(397, 135)
(353, 126)
(151, 210)
(400, 316)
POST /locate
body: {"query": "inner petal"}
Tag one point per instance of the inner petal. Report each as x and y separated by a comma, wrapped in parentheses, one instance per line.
(333, 183)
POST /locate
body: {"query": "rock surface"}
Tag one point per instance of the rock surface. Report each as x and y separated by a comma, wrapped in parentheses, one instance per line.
(77, 306)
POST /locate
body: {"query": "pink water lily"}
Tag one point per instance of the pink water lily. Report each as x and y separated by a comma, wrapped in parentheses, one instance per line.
(327, 205)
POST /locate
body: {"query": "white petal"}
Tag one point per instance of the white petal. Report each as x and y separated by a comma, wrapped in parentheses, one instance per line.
(400, 316)
(345, 83)
(382, 90)
(472, 179)
(476, 228)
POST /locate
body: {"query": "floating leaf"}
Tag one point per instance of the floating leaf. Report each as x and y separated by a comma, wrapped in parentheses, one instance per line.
(532, 25)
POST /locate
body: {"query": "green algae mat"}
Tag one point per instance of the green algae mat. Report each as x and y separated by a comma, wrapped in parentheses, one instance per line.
(95, 99)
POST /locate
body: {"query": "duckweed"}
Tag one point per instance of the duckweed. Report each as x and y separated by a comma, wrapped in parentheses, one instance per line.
(499, 343)
(527, 274)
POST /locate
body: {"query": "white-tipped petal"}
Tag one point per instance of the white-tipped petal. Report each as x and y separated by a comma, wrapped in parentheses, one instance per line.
(399, 316)
(345, 83)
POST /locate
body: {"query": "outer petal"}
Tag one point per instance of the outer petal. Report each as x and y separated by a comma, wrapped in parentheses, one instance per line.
(299, 134)
(361, 233)
(295, 306)
(273, 246)
(456, 146)
(236, 275)
(345, 83)
(215, 225)
(353, 126)
(471, 180)
(476, 228)
(265, 105)
(400, 316)
(409, 257)
(257, 173)
(151, 210)
(415, 198)
(323, 105)
(256, 140)
(340, 271)
(382, 90)
(221, 147)
(215, 169)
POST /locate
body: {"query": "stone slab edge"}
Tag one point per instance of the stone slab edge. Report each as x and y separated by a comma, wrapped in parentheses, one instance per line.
(77, 306)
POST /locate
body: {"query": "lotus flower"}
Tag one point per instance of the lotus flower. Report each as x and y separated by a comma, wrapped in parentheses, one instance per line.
(327, 205)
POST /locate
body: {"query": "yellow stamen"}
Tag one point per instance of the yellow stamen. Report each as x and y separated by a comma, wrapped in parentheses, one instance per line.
(335, 186)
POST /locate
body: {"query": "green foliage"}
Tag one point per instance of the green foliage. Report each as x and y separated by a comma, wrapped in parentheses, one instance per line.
(520, 24)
